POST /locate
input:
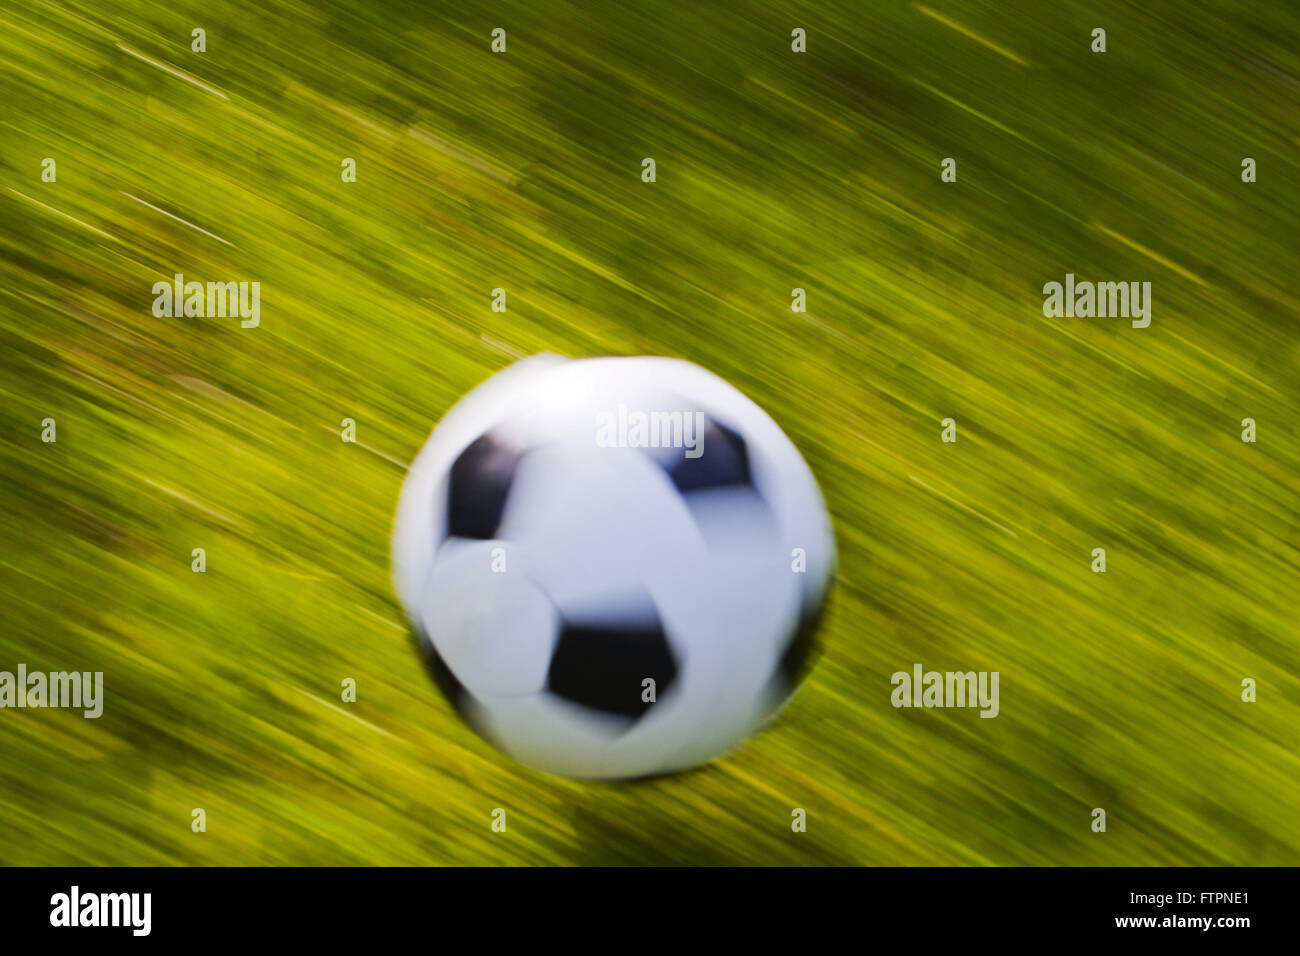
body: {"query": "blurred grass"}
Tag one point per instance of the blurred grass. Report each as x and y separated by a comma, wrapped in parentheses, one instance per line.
(775, 171)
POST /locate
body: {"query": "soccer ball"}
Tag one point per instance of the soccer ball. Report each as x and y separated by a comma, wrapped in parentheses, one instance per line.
(614, 567)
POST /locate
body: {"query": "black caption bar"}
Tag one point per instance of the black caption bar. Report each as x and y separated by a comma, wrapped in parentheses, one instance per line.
(330, 906)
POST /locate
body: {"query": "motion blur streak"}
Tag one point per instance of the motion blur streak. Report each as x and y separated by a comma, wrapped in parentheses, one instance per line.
(775, 171)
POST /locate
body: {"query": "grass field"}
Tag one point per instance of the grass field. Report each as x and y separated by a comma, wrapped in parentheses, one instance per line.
(775, 170)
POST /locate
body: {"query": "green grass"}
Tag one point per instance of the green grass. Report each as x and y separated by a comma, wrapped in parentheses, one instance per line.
(775, 171)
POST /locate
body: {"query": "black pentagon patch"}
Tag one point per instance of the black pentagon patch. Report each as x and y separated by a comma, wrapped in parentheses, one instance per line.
(602, 667)
(798, 657)
(455, 692)
(724, 460)
(479, 484)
